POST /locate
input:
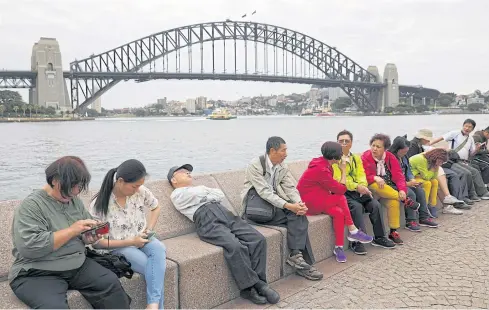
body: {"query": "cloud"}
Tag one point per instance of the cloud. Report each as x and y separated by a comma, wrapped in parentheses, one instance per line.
(436, 43)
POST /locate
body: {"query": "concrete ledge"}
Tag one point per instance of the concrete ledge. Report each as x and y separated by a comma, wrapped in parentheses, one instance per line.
(136, 288)
(197, 275)
(297, 168)
(232, 183)
(8, 209)
(10, 301)
(204, 278)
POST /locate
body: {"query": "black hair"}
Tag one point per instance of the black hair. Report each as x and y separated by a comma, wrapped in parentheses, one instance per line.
(399, 143)
(344, 132)
(130, 171)
(469, 121)
(331, 150)
(384, 138)
(274, 143)
(487, 129)
(69, 171)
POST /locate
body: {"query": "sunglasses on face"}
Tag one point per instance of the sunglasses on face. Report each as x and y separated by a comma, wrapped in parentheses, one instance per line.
(344, 141)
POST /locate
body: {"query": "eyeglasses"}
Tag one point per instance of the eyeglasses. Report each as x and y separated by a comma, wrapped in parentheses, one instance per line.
(344, 141)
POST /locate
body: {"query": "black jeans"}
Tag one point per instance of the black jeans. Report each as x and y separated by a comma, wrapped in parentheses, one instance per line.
(358, 204)
(457, 184)
(475, 183)
(44, 289)
(297, 232)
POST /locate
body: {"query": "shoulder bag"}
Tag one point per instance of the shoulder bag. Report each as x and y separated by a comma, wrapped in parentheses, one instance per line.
(116, 263)
(257, 209)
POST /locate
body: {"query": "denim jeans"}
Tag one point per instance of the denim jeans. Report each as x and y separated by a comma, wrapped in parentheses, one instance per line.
(149, 261)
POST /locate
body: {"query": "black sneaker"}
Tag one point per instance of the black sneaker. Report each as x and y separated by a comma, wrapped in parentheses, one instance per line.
(383, 242)
(475, 198)
(358, 248)
(463, 207)
(270, 294)
(394, 236)
(253, 296)
(428, 222)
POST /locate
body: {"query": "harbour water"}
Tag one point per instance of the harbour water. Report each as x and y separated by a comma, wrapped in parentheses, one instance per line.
(27, 148)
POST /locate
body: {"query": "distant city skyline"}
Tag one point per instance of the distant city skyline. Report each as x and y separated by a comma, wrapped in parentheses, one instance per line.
(420, 37)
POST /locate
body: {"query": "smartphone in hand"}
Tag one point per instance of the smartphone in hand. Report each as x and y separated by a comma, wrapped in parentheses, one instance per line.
(150, 234)
(100, 229)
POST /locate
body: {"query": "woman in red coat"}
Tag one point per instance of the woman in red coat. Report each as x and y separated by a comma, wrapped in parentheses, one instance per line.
(323, 194)
(386, 179)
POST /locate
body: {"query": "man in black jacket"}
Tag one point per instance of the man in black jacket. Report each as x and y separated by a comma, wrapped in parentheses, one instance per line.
(480, 161)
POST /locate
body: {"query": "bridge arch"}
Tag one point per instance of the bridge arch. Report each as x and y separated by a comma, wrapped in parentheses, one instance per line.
(137, 54)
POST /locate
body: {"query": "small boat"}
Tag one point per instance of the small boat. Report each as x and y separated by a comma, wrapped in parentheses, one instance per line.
(325, 114)
(306, 112)
(221, 115)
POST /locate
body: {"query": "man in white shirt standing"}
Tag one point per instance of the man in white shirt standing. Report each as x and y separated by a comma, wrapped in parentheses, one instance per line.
(463, 144)
(245, 249)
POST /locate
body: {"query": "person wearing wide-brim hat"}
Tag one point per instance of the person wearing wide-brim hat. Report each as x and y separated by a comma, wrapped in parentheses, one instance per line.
(452, 185)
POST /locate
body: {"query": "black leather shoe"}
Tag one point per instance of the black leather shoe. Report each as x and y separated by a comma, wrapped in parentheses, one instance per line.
(271, 295)
(253, 296)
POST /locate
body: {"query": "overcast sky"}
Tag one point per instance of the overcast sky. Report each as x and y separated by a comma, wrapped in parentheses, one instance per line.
(443, 44)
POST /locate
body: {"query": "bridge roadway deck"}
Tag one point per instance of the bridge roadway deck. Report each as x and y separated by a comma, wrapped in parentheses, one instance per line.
(146, 76)
(447, 267)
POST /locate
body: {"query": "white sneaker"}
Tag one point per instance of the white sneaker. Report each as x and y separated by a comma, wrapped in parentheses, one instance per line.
(451, 200)
(451, 210)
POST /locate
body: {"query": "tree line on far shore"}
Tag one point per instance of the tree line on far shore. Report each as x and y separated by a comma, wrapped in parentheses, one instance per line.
(12, 105)
(404, 107)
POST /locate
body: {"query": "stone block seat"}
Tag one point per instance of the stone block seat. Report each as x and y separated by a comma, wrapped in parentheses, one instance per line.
(197, 275)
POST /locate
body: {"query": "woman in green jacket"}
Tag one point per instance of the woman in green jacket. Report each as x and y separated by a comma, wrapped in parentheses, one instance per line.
(424, 167)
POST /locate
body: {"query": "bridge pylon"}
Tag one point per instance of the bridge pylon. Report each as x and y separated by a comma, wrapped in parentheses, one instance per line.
(50, 88)
(391, 90)
(376, 94)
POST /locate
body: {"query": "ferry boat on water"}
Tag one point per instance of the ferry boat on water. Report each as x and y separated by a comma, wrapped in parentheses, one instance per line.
(316, 112)
(326, 113)
(221, 114)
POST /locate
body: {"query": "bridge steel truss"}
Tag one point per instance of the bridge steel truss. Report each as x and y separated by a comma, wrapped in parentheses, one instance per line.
(135, 55)
(17, 79)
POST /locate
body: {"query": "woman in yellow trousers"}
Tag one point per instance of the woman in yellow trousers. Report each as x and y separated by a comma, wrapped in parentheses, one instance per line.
(425, 168)
(386, 179)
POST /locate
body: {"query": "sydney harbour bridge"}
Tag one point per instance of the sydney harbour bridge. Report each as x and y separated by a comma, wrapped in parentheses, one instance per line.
(228, 50)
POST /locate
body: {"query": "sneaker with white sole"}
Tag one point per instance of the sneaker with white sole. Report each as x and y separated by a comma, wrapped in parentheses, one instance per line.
(451, 210)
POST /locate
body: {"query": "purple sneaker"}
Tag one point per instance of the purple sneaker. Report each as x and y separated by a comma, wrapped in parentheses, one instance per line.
(360, 236)
(340, 255)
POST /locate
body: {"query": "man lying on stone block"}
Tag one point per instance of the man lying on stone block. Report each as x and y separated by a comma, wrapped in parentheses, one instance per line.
(245, 249)
(270, 197)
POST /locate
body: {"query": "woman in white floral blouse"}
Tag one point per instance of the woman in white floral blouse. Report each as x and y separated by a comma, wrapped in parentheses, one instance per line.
(122, 201)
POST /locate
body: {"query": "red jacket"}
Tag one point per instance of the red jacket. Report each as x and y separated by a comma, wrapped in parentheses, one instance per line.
(370, 166)
(317, 184)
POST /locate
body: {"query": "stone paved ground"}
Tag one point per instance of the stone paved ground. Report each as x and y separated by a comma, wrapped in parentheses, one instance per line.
(446, 267)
